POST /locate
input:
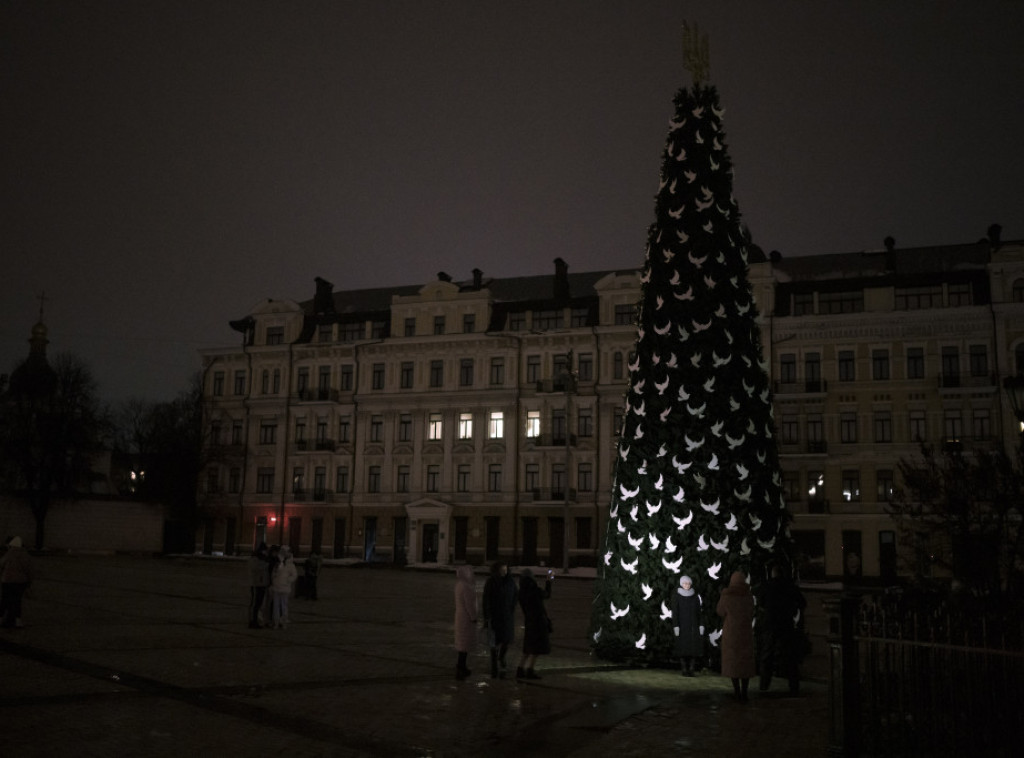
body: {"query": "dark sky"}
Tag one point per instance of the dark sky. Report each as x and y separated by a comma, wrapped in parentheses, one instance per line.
(166, 165)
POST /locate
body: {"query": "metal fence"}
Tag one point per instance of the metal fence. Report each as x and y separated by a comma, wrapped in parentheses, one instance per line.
(919, 677)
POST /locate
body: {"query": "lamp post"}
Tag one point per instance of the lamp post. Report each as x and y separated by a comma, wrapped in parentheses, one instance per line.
(1014, 386)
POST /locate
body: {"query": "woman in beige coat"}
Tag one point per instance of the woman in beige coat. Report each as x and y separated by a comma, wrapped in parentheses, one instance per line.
(465, 617)
(736, 607)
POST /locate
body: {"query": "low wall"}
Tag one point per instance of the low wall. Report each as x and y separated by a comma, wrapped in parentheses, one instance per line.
(107, 526)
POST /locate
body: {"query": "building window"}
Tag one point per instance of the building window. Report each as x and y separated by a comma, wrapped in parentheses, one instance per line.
(378, 330)
(1017, 292)
(275, 335)
(265, 480)
(960, 294)
(953, 425)
(377, 376)
(585, 477)
(791, 486)
(465, 426)
(494, 477)
(344, 428)
(851, 486)
(579, 317)
(405, 428)
(558, 426)
(466, 372)
(462, 477)
(560, 366)
(516, 322)
(585, 367)
(558, 481)
(405, 375)
(548, 319)
(618, 366)
(585, 422)
(950, 366)
(884, 482)
(265, 382)
(321, 430)
(812, 371)
(918, 426)
(625, 314)
(533, 423)
(434, 427)
(410, 327)
(847, 366)
(880, 364)
(239, 382)
(236, 433)
(438, 325)
(790, 429)
(215, 432)
(268, 433)
(883, 426)
(402, 479)
(302, 381)
(433, 477)
(497, 372)
(815, 428)
(496, 425)
(981, 424)
(915, 363)
(437, 373)
(533, 368)
(803, 304)
(235, 481)
(218, 383)
(917, 298)
(468, 323)
(376, 428)
(787, 368)
(979, 360)
(212, 480)
(319, 483)
(532, 479)
(300, 430)
(341, 479)
(298, 475)
(373, 479)
(815, 487)
(848, 426)
(841, 302)
(325, 333)
(351, 332)
(346, 377)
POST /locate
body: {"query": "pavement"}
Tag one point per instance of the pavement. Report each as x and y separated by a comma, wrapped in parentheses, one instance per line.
(143, 656)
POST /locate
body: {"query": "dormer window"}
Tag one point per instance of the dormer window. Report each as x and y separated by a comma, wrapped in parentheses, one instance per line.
(275, 335)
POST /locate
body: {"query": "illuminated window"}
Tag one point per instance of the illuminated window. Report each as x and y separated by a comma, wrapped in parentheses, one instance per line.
(851, 486)
(434, 427)
(496, 425)
(533, 423)
(465, 426)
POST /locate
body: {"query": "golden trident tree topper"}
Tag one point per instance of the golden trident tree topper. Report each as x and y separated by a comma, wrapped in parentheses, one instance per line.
(696, 58)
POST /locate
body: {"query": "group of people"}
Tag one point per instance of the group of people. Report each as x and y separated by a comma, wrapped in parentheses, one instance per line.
(15, 578)
(500, 597)
(779, 633)
(272, 581)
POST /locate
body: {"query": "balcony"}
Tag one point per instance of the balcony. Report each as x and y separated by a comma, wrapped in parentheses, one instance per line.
(957, 381)
(562, 384)
(321, 395)
(549, 494)
(812, 387)
(551, 440)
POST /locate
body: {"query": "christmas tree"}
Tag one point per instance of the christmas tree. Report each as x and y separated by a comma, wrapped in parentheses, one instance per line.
(697, 488)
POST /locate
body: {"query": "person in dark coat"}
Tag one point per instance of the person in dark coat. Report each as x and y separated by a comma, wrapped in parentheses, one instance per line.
(16, 576)
(259, 581)
(689, 639)
(537, 625)
(781, 630)
(499, 609)
(736, 607)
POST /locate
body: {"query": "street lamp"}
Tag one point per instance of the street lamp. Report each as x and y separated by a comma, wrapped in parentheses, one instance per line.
(1014, 386)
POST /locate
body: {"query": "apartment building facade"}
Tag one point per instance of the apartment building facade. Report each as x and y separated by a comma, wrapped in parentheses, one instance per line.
(472, 420)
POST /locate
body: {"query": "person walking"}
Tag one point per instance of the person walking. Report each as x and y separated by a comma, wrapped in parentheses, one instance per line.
(736, 607)
(499, 609)
(689, 634)
(537, 625)
(282, 581)
(15, 578)
(780, 632)
(259, 580)
(311, 569)
(465, 618)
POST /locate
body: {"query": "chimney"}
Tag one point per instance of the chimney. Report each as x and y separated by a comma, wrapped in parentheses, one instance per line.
(890, 244)
(323, 301)
(443, 277)
(478, 278)
(561, 280)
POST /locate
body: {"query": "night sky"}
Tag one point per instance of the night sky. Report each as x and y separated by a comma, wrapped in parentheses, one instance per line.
(164, 166)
